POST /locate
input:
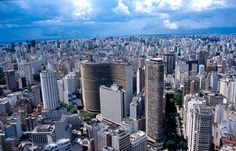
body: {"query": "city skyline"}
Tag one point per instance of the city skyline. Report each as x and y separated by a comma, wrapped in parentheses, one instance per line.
(31, 19)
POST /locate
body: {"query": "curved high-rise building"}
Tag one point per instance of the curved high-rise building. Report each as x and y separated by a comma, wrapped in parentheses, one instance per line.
(95, 74)
(49, 89)
(154, 90)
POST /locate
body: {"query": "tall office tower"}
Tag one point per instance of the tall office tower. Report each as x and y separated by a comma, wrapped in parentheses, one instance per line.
(193, 103)
(49, 89)
(102, 136)
(154, 90)
(214, 81)
(26, 69)
(232, 93)
(71, 83)
(121, 140)
(138, 141)
(202, 57)
(201, 70)
(35, 95)
(169, 59)
(203, 83)
(10, 80)
(224, 87)
(60, 85)
(112, 103)
(140, 79)
(219, 113)
(2, 141)
(201, 130)
(95, 74)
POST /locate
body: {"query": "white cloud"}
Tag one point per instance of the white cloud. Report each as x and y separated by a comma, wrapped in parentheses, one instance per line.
(145, 6)
(199, 5)
(82, 9)
(152, 6)
(173, 4)
(121, 8)
(170, 25)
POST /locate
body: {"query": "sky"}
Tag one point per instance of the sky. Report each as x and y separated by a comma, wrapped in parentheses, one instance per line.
(48, 19)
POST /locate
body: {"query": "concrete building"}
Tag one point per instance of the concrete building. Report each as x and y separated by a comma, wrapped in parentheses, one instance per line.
(214, 99)
(214, 81)
(35, 95)
(154, 91)
(137, 106)
(202, 57)
(62, 130)
(60, 85)
(2, 141)
(95, 74)
(121, 140)
(140, 79)
(60, 145)
(49, 89)
(232, 92)
(169, 59)
(71, 83)
(11, 144)
(11, 80)
(102, 136)
(138, 141)
(201, 70)
(112, 100)
(201, 130)
(26, 69)
(189, 105)
(4, 106)
(224, 87)
(219, 113)
(43, 134)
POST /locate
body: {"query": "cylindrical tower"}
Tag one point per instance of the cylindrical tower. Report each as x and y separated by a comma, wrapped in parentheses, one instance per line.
(49, 89)
(154, 89)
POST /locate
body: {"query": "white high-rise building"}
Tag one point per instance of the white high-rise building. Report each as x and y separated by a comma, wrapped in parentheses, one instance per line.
(200, 137)
(201, 70)
(232, 93)
(112, 103)
(219, 113)
(49, 89)
(71, 83)
(224, 86)
(195, 101)
(60, 85)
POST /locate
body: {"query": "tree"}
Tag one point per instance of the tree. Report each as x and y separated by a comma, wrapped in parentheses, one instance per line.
(170, 144)
(72, 111)
(179, 98)
(183, 145)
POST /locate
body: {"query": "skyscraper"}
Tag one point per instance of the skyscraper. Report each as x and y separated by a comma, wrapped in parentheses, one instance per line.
(201, 130)
(154, 89)
(170, 63)
(121, 140)
(112, 103)
(10, 80)
(49, 89)
(95, 74)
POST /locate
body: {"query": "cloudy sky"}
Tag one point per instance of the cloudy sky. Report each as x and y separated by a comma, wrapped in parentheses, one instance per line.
(39, 19)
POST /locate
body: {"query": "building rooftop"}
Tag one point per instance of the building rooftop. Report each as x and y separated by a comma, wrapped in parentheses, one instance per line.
(137, 136)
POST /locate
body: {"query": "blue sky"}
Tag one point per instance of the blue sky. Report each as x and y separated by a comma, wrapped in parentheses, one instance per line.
(39, 19)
